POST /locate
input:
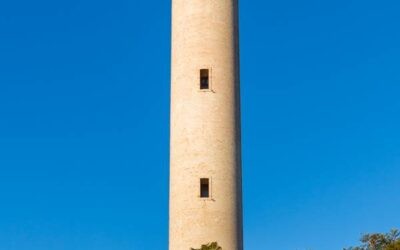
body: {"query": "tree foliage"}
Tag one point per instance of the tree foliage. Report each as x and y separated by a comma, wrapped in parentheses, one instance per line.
(389, 241)
(209, 246)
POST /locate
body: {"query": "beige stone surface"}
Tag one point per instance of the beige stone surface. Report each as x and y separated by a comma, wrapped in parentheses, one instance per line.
(205, 126)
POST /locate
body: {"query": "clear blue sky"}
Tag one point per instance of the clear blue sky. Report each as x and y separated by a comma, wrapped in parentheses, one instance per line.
(84, 112)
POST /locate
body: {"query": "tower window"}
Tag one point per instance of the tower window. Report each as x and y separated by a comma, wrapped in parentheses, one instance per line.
(204, 188)
(204, 79)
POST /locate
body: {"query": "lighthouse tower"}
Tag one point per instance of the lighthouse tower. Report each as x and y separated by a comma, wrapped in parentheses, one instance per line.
(205, 154)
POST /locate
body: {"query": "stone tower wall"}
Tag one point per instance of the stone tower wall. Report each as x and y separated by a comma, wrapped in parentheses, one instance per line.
(205, 126)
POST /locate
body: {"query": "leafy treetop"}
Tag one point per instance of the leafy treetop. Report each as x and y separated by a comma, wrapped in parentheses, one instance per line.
(389, 241)
(209, 246)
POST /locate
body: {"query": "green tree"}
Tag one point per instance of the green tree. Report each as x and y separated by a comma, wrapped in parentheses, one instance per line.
(210, 246)
(389, 241)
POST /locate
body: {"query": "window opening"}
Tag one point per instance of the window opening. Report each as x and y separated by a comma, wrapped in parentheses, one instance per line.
(204, 79)
(204, 188)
